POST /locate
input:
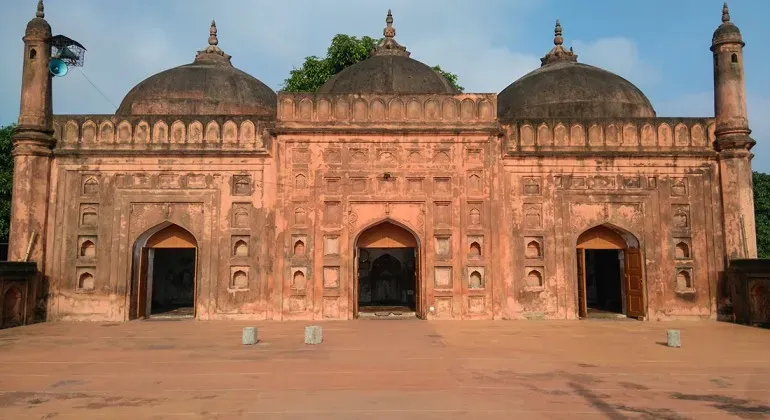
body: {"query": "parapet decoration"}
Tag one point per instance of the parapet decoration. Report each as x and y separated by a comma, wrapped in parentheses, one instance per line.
(107, 132)
(340, 108)
(653, 134)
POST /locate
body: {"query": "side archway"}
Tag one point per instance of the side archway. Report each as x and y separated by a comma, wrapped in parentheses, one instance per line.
(610, 273)
(164, 278)
(387, 270)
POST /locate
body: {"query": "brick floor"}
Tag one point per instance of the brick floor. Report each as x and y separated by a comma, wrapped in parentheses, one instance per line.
(385, 370)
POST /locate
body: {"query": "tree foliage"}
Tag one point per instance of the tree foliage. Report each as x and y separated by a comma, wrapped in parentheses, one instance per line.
(762, 212)
(344, 51)
(6, 180)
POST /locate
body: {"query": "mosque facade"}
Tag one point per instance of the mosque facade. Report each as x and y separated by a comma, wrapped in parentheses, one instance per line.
(385, 193)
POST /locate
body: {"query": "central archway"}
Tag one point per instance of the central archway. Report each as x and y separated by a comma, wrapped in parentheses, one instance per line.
(164, 278)
(610, 277)
(387, 267)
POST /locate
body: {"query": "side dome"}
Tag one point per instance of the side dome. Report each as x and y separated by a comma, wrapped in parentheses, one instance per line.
(389, 70)
(564, 88)
(210, 85)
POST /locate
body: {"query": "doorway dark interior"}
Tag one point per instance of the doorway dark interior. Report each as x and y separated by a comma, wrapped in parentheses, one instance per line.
(386, 279)
(173, 282)
(603, 281)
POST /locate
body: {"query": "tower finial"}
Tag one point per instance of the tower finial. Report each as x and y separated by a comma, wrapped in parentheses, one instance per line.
(725, 13)
(389, 31)
(213, 40)
(40, 9)
(557, 39)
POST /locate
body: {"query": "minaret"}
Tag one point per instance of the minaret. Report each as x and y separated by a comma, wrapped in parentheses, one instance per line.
(733, 141)
(32, 147)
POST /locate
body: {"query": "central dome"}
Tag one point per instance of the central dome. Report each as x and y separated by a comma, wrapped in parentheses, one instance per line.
(208, 86)
(389, 70)
(564, 88)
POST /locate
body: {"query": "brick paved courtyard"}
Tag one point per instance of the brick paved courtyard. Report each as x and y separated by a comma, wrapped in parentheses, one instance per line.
(385, 370)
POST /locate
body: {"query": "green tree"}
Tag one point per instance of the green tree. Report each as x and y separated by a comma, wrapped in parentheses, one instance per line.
(6, 180)
(762, 212)
(344, 51)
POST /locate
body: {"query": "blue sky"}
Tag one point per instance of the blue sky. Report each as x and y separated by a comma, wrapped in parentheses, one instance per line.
(660, 45)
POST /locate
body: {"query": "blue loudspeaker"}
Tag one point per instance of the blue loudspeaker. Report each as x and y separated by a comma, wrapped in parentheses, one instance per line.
(57, 67)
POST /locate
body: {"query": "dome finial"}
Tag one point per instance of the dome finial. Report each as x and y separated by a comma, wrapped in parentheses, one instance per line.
(213, 40)
(388, 45)
(558, 53)
(725, 13)
(40, 10)
(389, 31)
(212, 53)
(557, 39)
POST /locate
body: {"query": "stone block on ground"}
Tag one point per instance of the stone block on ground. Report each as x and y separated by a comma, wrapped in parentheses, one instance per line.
(250, 336)
(673, 338)
(313, 335)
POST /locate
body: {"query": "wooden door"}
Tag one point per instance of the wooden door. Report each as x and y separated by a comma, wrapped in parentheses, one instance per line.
(195, 286)
(141, 295)
(417, 284)
(356, 284)
(634, 283)
(581, 281)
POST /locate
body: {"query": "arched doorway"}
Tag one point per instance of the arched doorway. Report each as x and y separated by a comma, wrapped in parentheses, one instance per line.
(165, 261)
(609, 274)
(387, 272)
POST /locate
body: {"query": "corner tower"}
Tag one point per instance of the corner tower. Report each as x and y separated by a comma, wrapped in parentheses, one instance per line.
(732, 124)
(733, 141)
(32, 146)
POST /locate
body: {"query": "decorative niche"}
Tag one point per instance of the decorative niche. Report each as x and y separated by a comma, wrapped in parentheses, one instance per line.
(534, 279)
(300, 216)
(242, 185)
(90, 185)
(682, 249)
(531, 185)
(239, 278)
(299, 246)
(476, 280)
(241, 215)
(300, 182)
(474, 215)
(474, 184)
(298, 279)
(89, 217)
(475, 247)
(533, 215)
(681, 216)
(87, 247)
(240, 246)
(85, 277)
(684, 281)
(533, 247)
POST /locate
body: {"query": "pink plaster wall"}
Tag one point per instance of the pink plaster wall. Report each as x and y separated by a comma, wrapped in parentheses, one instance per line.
(456, 176)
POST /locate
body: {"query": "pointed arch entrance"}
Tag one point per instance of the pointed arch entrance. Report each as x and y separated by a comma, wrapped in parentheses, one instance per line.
(387, 272)
(610, 274)
(164, 279)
